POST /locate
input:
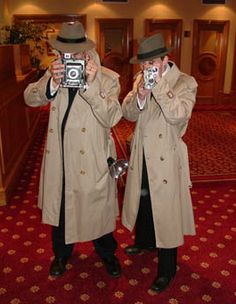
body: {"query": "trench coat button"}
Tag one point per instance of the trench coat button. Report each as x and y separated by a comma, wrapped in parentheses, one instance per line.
(51, 130)
(53, 108)
(82, 172)
(165, 181)
(131, 168)
(82, 152)
(35, 90)
(83, 129)
(102, 94)
(162, 158)
(160, 135)
(47, 151)
(170, 94)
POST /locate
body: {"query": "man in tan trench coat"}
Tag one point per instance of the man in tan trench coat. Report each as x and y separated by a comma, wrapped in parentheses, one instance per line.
(157, 197)
(77, 194)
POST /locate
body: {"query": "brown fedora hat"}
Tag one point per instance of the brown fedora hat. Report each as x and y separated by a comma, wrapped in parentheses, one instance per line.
(150, 48)
(71, 39)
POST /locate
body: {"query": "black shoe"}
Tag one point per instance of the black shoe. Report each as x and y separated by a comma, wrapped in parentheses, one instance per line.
(58, 266)
(113, 266)
(134, 249)
(161, 283)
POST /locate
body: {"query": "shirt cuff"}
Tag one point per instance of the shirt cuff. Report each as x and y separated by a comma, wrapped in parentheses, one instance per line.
(141, 103)
(52, 89)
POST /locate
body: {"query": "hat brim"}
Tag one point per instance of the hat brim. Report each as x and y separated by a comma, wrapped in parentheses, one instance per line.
(135, 60)
(71, 47)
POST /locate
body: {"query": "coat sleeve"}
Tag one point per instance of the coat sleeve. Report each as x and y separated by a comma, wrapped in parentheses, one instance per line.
(130, 108)
(35, 93)
(176, 102)
(102, 95)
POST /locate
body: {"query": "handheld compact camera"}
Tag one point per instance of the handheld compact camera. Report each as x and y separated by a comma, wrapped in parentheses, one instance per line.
(74, 72)
(149, 76)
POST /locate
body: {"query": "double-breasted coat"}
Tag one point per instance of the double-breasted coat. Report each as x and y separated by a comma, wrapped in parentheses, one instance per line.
(158, 134)
(90, 192)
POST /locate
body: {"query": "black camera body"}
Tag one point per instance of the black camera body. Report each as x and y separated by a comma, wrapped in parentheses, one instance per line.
(149, 76)
(74, 72)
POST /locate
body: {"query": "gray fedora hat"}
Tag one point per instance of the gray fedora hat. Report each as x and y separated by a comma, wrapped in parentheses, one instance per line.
(150, 48)
(71, 39)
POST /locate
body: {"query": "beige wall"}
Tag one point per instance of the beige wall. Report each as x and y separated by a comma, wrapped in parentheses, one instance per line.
(188, 10)
(1, 12)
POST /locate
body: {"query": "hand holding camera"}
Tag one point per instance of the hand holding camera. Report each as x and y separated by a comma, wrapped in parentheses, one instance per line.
(57, 72)
(91, 69)
(151, 75)
(143, 90)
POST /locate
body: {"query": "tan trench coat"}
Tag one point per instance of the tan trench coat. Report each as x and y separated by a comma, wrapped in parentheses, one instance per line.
(159, 130)
(90, 193)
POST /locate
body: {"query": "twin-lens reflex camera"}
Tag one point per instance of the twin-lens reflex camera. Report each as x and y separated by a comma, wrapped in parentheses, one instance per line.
(74, 72)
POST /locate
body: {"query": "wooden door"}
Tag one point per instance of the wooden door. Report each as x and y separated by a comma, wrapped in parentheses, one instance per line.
(233, 82)
(115, 45)
(210, 41)
(171, 29)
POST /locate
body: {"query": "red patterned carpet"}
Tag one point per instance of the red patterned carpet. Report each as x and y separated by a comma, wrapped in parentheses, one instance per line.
(206, 263)
(211, 140)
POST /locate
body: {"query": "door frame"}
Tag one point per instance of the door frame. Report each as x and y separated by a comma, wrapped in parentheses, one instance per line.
(126, 25)
(233, 79)
(50, 18)
(177, 24)
(101, 23)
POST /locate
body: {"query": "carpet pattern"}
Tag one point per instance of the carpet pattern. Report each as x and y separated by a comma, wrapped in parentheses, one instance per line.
(211, 141)
(206, 263)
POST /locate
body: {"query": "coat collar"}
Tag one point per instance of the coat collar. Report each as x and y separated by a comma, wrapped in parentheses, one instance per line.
(173, 74)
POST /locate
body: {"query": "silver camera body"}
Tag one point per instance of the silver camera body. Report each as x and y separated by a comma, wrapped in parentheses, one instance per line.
(74, 72)
(117, 167)
(149, 76)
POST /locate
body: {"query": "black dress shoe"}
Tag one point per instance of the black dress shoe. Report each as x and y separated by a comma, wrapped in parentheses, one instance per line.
(161, 283)
(113, 266)
(134, 249)
(58, 266)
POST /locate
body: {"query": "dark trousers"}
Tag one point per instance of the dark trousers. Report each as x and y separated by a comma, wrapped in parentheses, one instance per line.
(145, 233)
(105, 246)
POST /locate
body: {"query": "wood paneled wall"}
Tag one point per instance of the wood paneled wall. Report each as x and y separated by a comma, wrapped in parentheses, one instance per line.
(17, 122)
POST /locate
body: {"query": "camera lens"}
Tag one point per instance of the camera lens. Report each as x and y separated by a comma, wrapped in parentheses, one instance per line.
(73, 73)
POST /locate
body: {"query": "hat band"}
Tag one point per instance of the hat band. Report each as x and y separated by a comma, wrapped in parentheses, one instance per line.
(152, 53)
(67, 40)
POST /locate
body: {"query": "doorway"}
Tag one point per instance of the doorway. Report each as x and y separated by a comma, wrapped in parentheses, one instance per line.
(210, 42)
(115, 45)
